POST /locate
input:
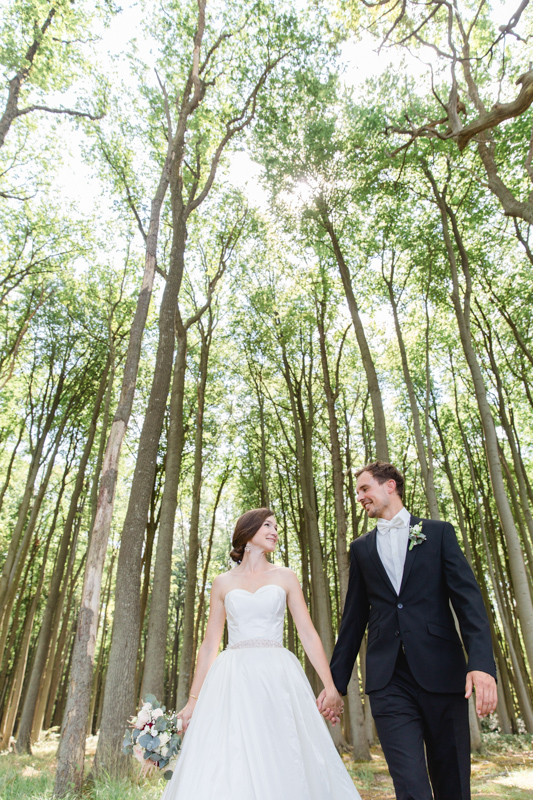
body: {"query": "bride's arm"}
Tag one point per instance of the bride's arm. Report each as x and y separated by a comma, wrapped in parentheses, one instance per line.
(208, 650)
(312, 645)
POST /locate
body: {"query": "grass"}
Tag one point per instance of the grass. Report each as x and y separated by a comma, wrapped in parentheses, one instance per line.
(502, 771)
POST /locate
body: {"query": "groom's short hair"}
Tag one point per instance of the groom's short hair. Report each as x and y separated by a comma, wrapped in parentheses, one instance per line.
(382, 471)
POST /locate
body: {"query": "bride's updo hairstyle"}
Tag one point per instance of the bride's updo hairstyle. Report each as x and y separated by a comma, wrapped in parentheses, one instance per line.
(246, 528)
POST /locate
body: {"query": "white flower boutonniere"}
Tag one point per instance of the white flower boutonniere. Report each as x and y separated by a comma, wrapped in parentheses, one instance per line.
(415, 535)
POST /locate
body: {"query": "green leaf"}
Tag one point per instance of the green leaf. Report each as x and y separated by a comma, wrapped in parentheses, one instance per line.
(150, 698)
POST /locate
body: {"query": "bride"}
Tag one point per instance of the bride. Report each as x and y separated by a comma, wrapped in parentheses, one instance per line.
(254, 731)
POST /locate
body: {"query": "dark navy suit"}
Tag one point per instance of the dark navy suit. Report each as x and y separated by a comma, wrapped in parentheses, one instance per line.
(415, 664)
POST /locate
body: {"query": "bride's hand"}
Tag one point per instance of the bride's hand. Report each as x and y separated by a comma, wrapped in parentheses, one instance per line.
(186, 713)
(330, 704)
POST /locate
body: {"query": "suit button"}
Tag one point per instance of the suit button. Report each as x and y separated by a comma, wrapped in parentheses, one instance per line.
(396, 633)
(400, 605)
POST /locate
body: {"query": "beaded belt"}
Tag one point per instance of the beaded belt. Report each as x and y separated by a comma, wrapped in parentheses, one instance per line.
(254, 643)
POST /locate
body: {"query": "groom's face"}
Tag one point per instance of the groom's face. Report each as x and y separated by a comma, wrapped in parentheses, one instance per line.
(375, 497)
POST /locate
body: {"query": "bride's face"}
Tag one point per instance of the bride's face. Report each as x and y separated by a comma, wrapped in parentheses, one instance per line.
(267, 536)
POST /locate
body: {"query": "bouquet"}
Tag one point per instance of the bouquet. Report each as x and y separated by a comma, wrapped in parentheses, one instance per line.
(154, 737)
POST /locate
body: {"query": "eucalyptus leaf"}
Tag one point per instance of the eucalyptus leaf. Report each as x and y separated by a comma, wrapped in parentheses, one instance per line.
(150, 698)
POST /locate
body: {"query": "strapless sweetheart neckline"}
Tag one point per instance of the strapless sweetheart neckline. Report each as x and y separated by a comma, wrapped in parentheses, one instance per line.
(266, 586)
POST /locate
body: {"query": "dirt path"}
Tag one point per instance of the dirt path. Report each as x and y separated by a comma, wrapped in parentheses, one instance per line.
(503, 772)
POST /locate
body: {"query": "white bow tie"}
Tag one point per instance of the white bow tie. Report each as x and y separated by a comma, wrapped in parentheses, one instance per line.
(385, 525)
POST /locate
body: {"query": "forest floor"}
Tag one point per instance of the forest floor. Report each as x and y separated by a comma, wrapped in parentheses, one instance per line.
(503, 771)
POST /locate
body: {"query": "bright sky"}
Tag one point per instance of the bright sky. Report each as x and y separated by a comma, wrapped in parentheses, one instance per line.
(360, 60)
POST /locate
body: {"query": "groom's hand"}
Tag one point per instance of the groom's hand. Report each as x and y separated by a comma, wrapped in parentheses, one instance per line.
(486, 691)
(331, 705)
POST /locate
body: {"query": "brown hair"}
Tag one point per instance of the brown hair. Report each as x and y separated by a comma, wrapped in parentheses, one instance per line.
(245, 529)
(382, 471)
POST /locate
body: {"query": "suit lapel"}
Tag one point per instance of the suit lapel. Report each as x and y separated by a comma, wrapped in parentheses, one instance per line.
(410, 555)
(376, 560)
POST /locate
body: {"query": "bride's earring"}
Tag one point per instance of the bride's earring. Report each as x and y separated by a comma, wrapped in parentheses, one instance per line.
(248, 548)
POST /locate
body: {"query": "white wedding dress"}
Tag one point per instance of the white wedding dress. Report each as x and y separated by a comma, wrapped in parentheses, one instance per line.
(256, 733)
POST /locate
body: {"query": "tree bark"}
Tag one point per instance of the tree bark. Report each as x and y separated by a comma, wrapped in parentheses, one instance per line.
(23, 648)
(303, 425)
(72, 744)
(187, 658)
(119, 698)
(13, 551)
(24, 546)
(361, 751)
(380, 427)
(425, 469)
(462, 312)
(39, 662)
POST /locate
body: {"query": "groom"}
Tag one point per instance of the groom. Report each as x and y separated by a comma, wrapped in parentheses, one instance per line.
(403, 576)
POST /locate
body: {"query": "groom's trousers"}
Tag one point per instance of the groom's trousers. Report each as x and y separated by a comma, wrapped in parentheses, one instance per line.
(423, 732)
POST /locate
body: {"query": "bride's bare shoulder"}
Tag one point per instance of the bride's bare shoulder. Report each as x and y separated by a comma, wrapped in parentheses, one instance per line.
(221, 583)
(288, 576)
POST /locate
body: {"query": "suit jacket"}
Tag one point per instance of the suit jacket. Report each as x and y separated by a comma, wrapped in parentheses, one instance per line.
(435, 573)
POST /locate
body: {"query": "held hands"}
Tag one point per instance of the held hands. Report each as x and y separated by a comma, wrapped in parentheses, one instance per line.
(186, 713)
(486, 691)
(330, 704)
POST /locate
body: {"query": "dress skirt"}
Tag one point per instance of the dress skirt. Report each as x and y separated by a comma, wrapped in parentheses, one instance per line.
(256, 734)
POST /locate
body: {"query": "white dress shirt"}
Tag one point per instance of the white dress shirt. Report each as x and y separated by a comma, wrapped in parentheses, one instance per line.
(391, 540)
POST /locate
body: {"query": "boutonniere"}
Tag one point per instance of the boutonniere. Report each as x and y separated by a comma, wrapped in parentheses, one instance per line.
(415, 535)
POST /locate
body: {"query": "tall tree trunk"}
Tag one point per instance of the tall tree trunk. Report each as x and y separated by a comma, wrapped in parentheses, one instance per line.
(361, 751)
(154, 667)
(24, 546)
(380, 427)
(10, 466)
(14, 550)
(61, 649)
(462, 312)
(200, 616)
(103, 643)
(187, 653)
(72, 744)
(5, 676)
(65, 596)
(303, 433)
(23, 649)
(39, 662)
(426, 471)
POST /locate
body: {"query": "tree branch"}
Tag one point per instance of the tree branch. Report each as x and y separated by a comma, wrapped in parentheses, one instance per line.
(499, 112)
(69, 111)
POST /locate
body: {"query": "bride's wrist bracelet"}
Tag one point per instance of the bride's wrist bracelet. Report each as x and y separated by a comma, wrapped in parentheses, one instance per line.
(193, 696)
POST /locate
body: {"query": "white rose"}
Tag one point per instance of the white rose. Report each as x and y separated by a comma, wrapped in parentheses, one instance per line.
(164, 751)
(154, 732)
(164, 737)
(157, 712)
(143, 717)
